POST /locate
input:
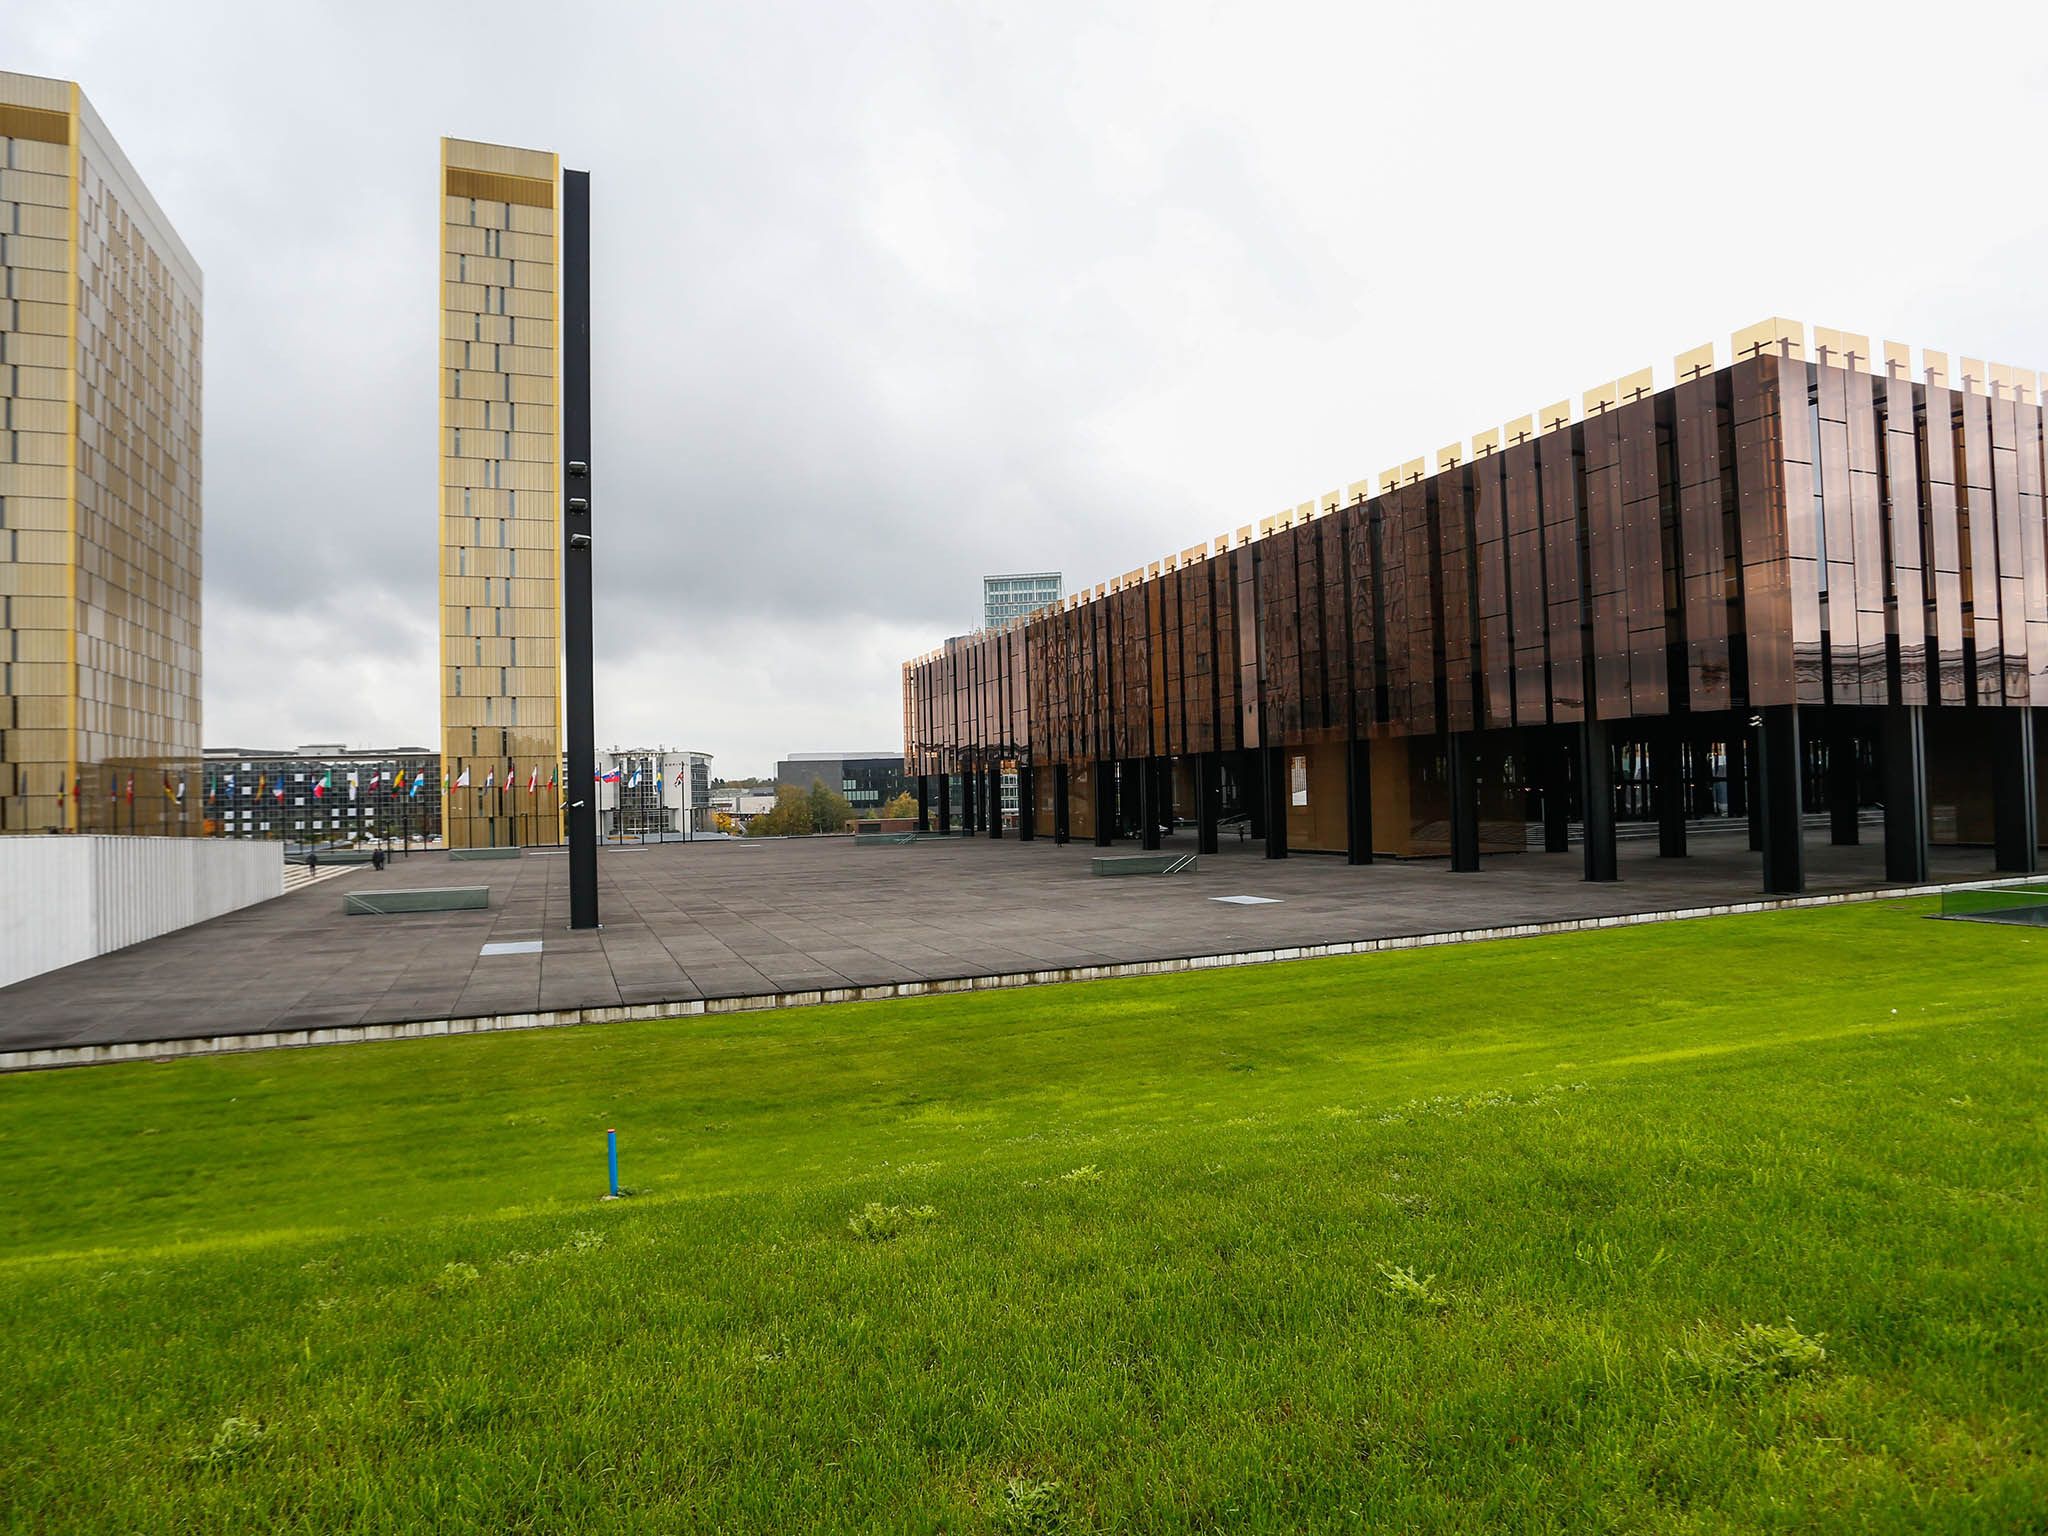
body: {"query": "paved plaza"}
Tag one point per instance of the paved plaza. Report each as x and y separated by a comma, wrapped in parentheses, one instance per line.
(690, 921)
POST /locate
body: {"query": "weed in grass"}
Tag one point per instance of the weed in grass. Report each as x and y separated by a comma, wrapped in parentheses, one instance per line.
(1039, 1508)
(1755, 1355)
(1417, 1295)
(877, 1223)
(455, 1276)
(1087, 1173)
(236, 1440)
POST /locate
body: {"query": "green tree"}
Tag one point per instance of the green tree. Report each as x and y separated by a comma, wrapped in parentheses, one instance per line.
(829, 810)
(790, 818)
(905, 804)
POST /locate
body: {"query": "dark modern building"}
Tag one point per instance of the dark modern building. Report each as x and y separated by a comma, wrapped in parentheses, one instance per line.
(322, 792)
(869, 780)
(1803, 580)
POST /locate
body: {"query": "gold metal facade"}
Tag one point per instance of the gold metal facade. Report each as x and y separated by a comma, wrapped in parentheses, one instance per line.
(501, 695)
(100, 388)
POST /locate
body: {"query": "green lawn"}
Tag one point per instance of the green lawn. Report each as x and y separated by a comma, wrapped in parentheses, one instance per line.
(1721, 1225)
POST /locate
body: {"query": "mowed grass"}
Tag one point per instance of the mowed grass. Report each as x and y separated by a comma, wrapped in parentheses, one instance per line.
(1722, 1225)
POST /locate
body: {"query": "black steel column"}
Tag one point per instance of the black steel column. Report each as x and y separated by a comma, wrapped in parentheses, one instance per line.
(970, 787)
(1556, 747)
(1208, 797)
(1464, 787)
(1358, 802)
(1273, 775)
(1596, 795)
(1062, 825)
(1777, 803)
(946, 804)
(1905, 794)
(1251, 789)
(1842, 785)
(1148, 806)
(924, 802)
(580, 717)
(1667, 777)
(995, 800)
(1102, 783)
(2016, 838)
(1027, 803)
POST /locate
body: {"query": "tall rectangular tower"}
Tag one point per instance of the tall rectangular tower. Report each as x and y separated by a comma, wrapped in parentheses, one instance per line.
(501, 654)
(99, 482)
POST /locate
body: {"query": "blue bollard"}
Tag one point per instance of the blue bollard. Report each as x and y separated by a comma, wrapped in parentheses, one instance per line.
(611, 1151)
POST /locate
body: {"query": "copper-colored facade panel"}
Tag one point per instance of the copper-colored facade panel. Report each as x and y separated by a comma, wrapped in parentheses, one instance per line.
(2034, 547)
(1944, 542)
(1367, 634)
(1558, 506)
(1977, 519)
(1496, 664)
(1697, 450)
(1642, 500)
(2012, 583)
(1865, 455)
(1606, 564)
(1453, 498)
(1905, 535)
(1527, 599)
(1420, 716)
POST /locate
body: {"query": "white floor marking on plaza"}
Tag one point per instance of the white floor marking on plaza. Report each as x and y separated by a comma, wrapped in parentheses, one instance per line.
(512, 947)
(1249, 901)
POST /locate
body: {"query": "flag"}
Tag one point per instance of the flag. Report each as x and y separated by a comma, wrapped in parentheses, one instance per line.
(352, 783)
(277, 793)
(320, 787)
(463, 781)
(131, 789)
(634, 782)
(491, 778)
(533, 781)
(417, 780)
(262, 783)
(181, 789)
(231, 786)
(167, 786)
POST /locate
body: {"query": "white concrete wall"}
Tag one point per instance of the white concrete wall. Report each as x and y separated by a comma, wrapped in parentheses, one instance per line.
(67, 898)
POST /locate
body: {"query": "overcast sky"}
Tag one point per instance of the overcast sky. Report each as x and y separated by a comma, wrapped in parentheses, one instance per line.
(890, 297)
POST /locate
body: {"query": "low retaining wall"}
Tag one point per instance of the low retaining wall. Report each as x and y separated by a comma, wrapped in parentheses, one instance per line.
(66, 898)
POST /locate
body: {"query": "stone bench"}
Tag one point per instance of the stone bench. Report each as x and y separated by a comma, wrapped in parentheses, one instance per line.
(1142, 864)
(483, 853)
(447, 898)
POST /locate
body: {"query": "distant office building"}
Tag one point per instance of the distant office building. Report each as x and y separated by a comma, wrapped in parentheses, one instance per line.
(500, 596)
(321, 792)
(651, 791)
(99, 481)
(1004, 598)
(868, 780)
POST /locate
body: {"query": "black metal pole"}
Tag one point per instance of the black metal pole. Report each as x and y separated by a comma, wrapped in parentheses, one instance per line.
(581, 790)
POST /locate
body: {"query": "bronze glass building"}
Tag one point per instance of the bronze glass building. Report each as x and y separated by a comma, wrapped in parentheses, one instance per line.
(501, 696)
(99, 481)
(1813, 577)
